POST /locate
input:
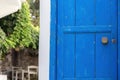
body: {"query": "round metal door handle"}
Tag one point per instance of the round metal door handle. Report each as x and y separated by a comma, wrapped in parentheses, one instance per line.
(104, 40)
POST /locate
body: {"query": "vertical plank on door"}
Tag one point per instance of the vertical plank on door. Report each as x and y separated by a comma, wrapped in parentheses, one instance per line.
(85, 56)
(66, 41)
(105, 59)
(103, 12)
(69, 56)
(85, 12)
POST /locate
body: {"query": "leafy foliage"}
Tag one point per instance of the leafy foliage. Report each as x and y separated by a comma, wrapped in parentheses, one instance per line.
(8, 23)
(34, 9)
(19, 30)
(2, 39)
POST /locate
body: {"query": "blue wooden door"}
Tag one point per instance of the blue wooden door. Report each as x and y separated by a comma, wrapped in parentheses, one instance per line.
(82, 26)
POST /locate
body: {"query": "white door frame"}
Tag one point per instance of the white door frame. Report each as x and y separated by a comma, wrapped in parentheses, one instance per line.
(44, 40)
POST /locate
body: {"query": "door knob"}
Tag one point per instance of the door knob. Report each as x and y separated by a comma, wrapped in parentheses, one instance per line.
(104, 40)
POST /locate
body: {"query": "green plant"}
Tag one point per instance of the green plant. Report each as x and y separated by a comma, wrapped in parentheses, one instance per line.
(19, 30)
(2, 40)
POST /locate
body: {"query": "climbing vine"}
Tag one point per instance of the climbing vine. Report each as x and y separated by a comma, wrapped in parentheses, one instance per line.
(17, 31)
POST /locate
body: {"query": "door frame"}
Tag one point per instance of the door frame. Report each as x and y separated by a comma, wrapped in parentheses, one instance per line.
(118, 35)
(53, 40)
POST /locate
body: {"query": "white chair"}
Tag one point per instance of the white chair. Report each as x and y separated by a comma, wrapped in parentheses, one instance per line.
(15, 73)
(32, 70)
(3, 77)
(24, 72)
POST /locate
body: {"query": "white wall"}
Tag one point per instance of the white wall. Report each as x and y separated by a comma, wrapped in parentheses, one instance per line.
(8, 7)
(44, 42)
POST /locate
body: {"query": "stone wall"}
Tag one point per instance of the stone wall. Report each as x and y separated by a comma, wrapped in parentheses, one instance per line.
(22, 58)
